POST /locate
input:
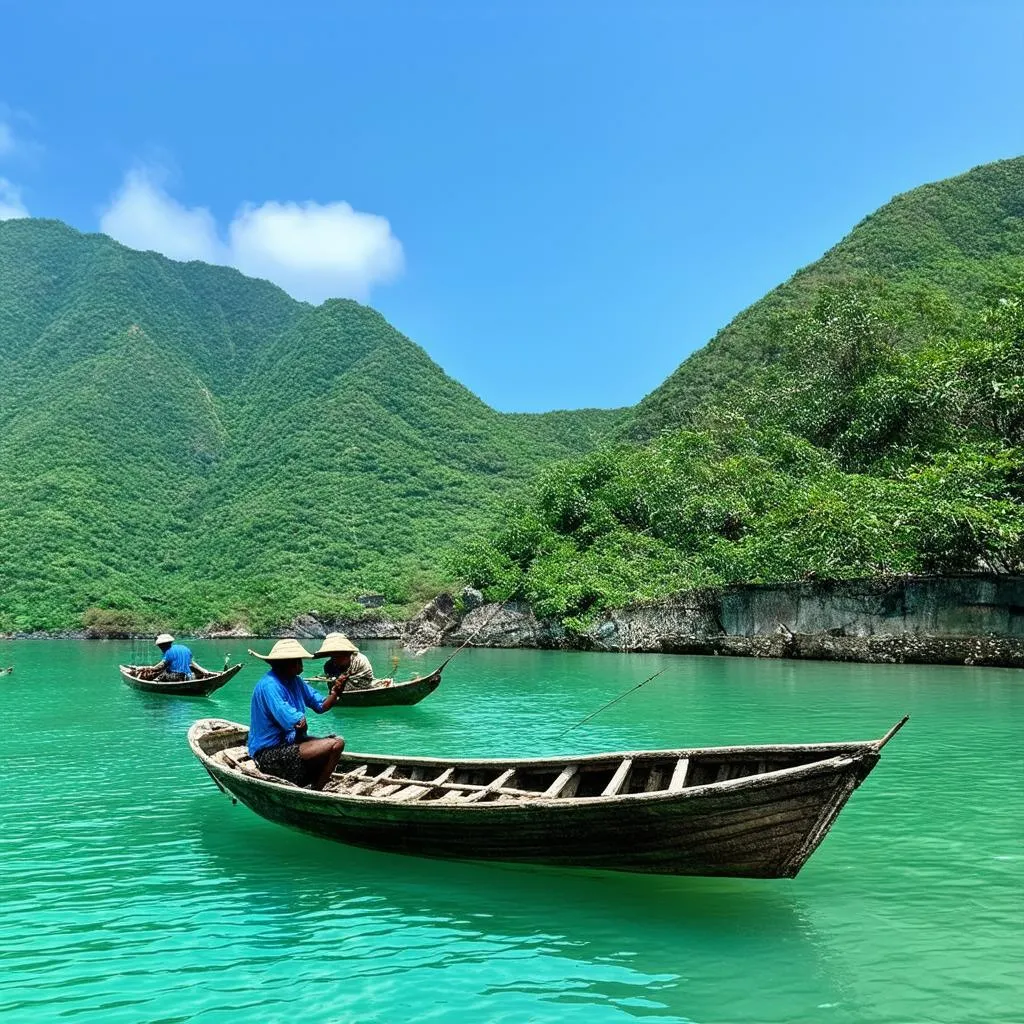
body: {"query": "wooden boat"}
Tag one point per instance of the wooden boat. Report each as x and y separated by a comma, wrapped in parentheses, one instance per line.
(202, 684)
(755, 812)
(410, 692)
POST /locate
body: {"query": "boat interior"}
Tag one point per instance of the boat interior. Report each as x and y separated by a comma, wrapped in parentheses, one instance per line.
(408, 782)
(198, 672)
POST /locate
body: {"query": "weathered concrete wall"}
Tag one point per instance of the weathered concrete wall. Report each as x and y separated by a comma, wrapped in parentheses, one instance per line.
(977, 620)
(946, 606)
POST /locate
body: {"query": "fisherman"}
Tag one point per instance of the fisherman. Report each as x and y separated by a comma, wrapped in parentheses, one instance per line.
(176, 664)
(346, 663)
(279, 740)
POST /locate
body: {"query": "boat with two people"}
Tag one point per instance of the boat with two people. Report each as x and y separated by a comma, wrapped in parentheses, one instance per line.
(362, 688)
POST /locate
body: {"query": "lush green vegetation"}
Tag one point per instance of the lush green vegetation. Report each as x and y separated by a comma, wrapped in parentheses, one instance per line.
(958, 244)
(881, 433)
(180, 444)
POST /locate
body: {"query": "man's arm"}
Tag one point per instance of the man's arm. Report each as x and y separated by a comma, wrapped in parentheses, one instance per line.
(321, 704)
(314, 701)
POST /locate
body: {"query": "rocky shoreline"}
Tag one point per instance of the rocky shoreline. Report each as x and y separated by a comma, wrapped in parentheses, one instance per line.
(966, 620)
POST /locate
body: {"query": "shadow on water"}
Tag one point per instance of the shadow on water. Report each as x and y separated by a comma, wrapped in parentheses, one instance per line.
(679, 943)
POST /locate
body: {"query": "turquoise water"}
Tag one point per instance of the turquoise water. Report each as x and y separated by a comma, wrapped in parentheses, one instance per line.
(133, 891)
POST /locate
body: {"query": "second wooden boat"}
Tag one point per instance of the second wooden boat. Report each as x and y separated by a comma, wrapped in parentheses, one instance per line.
(410, 692)
(201, 685)
(755, 812)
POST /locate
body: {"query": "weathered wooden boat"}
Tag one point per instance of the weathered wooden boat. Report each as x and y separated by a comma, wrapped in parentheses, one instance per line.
(410, 692)
(202, 684)
(756, 811)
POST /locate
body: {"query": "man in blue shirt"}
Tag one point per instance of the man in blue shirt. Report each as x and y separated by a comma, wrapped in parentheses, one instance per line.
(177, 663)
(279, 740)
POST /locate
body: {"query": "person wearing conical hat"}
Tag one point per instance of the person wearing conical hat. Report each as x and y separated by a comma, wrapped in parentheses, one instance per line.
(176, 664)
(347, 664)
(279, 740)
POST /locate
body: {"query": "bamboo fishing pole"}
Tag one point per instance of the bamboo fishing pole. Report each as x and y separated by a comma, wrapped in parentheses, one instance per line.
(476, 632)
(604, 707)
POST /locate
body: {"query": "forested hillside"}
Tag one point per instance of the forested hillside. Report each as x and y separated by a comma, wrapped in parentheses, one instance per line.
(180, 444)
(950, 248)
(865, 419)
(183, 444)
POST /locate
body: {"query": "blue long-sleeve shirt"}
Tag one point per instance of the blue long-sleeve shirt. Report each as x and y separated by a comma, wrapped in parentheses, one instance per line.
(179, 659)
(278, 705)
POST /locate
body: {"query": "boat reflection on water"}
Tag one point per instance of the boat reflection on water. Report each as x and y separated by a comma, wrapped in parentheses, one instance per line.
(657, 947)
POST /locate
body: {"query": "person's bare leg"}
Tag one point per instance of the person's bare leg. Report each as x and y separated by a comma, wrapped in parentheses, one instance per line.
(324, 755)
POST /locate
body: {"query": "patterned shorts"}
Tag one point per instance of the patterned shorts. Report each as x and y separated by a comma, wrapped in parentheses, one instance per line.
(284, 762)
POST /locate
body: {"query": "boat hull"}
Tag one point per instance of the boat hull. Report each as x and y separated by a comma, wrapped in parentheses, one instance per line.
(763, 827)
(198, 687)
(395, 695)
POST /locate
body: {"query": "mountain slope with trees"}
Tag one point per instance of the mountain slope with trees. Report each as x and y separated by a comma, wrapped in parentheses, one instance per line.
(865, 419)
(182, 443)
(949, 248)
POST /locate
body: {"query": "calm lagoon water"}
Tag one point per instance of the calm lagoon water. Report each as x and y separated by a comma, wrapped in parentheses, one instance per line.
(131, 890)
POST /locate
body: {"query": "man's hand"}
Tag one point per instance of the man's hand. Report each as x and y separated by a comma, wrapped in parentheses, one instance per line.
(301, 725)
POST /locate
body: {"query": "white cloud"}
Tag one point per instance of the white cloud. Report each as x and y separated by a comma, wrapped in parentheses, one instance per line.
(11, 206)
(314, 251)
(143, 216)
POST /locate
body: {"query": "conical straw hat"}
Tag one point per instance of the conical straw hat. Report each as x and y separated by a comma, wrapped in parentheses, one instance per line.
(336, 643)
(284, 650)
(164, 638)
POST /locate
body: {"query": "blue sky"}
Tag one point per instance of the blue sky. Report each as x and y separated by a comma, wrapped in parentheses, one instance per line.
(559, 201)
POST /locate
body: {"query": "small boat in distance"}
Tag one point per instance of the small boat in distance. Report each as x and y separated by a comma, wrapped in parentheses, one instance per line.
(6, 671)
(202, 683)
(752, 812)
(410, 692)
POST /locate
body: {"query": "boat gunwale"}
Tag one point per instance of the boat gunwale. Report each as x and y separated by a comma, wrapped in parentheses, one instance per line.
(845, 758)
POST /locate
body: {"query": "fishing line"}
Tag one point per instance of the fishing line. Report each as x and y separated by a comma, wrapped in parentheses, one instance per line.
(472, 636)
(604, 707)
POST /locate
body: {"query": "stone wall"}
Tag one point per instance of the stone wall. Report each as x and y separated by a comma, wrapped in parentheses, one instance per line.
(940, 606)
(937, 620)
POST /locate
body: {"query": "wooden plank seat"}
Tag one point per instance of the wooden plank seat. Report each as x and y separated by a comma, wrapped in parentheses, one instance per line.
(679, 775)
(618, 780)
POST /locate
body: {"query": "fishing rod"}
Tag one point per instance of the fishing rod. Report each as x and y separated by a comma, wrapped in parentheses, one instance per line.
(604, 707)
(476, 632)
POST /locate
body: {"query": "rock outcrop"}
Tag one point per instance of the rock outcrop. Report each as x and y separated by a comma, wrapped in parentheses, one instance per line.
(967, 620)
(942, 620)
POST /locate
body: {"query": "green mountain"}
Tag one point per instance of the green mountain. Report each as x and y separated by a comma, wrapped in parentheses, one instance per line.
(184, 444)
(955, 246)
(866, 418)
(181, 444)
